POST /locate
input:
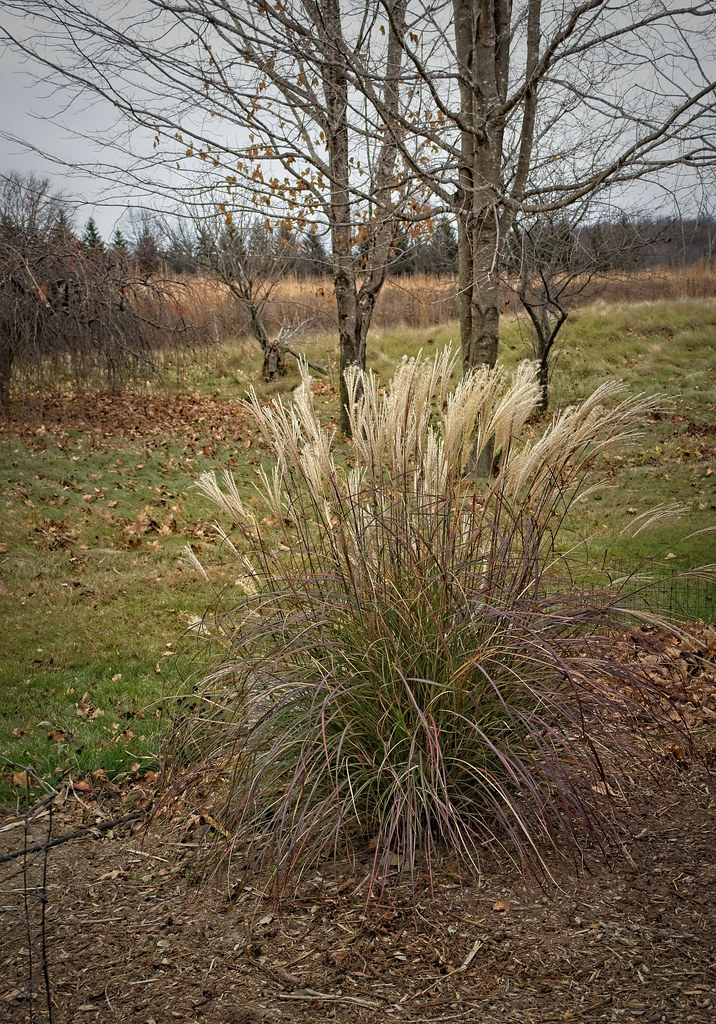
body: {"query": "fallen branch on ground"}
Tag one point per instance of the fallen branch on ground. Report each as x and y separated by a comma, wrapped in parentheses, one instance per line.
(104, 826)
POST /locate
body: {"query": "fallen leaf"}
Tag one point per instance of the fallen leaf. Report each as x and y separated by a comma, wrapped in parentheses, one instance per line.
(671, 555)
(82, 787)
(82, 710)
(57, 735)
(87, 710)
(19, 779)
(501, 905)
(3, 548)
(116, 677)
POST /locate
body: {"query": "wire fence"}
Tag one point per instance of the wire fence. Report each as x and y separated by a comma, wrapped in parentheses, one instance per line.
(653, 587)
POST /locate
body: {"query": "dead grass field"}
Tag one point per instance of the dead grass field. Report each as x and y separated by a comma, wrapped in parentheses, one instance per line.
(419, 300)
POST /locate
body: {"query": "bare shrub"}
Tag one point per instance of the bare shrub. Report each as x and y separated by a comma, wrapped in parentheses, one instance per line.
(71, 311)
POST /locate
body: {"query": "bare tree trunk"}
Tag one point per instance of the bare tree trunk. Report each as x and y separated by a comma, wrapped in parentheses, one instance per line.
(6, 361)
(545, 328)
(482, 35)
(480, 349)
(543, 381)
(384, 230)
(464, 31)
(272, 364)
(335, 88)
(355, 307)
(482, 48)
(482, 41)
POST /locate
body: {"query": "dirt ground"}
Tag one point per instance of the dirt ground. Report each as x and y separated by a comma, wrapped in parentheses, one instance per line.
(130, 937)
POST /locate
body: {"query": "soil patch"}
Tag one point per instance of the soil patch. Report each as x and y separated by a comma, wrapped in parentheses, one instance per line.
(130, 937)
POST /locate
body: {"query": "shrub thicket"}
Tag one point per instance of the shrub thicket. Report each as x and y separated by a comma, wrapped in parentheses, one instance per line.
(71, 308)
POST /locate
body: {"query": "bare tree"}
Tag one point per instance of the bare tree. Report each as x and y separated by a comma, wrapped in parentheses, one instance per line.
(248, 260)
(66, 310)
(531, 107)
(552, 260)
(282, 96)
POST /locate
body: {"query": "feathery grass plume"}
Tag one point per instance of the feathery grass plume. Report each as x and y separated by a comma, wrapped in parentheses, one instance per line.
(414, 668)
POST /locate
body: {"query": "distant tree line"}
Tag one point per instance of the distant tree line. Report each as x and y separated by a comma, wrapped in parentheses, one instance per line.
(157, 243)
(633, 242)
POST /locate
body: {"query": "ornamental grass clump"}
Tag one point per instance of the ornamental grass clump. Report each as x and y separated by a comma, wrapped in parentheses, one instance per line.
(411, 670)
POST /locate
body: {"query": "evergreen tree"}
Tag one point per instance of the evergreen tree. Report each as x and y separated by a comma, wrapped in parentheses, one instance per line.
(146, 251)
(402, 254)
(91, 241)
(438, 255)
(182, 253)
(287, 248)
(62, 232)
(315, 261)
(119, 244)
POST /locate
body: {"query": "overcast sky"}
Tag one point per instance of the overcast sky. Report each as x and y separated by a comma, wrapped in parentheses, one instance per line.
(33, 111)
(38, 112)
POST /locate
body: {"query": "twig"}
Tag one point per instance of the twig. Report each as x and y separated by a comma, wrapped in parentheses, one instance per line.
(43, 919)
(31, 815)
(279, 974)
(463, 967)
(470, 956)
(28, 924)
(104, 826)
(151, 856)
(326, 997)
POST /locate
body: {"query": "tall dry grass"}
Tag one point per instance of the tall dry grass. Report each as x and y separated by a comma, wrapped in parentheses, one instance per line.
(655, 284)
(408, 665)
(417, 300)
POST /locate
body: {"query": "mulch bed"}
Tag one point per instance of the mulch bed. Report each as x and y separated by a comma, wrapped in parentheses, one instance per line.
(130, 936)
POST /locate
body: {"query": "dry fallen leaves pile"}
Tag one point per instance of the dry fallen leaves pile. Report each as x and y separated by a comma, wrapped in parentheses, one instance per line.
(683, 670)
(105, 415)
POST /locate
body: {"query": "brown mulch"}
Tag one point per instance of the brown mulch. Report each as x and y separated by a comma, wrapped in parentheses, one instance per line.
(130, 937)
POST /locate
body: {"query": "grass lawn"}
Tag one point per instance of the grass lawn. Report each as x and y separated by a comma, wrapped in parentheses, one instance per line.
(95, 509)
